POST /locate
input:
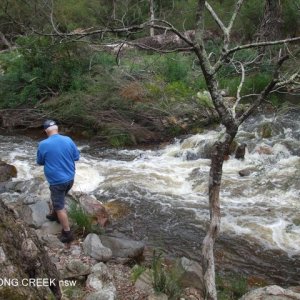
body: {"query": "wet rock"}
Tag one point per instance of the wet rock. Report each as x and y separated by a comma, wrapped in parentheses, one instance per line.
(247, 172)
(123, 247)
(273, 292)
(7, 171)
(265, 130)
(93, 247)
(191, 274)
(92, 206)
(240, 151)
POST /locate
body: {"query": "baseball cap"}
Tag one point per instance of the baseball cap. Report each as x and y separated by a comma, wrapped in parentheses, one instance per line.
(49, 123)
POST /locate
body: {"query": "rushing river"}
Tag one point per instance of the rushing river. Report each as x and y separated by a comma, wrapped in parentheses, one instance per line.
(167, 191)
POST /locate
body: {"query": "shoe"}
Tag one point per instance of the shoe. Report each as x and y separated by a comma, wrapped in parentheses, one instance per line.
(66, 236)
(52, 217)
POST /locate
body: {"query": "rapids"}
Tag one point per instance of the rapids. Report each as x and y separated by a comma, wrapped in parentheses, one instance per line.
(167, 191)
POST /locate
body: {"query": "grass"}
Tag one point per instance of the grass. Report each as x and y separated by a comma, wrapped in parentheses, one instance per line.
(83, 222)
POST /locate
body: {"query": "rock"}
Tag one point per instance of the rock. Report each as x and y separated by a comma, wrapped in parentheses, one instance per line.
(102, 270)
(34, 214)
(272, 292)
(92, 206)
(264, 150)
(94, 282)
(93, 247)
(144, 283)
(159, 296)
(108, 292)
(122, 247)
(240, 151)
(247, 171)
(29, 249)
(7, 171)
(191, 274)
(2, 256)
(76, 266)
(49, 227)
(51, 241)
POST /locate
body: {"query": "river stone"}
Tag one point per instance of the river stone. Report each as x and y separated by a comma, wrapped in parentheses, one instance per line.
(7, 171)
(191, 273)
(272, 292)
(93, 247)
(247, 171)
(122, 247)
(34, 214)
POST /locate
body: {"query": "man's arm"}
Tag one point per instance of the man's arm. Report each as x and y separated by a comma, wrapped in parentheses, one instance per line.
(40, 160)
(76, 153)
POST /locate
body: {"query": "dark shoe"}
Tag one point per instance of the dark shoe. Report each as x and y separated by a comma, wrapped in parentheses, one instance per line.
(52, 217)
(66, 236)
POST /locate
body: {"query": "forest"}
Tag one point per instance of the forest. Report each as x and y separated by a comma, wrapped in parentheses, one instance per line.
(131, 94)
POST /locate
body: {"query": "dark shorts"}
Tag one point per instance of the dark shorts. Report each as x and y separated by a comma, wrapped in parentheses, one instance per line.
(58, 193)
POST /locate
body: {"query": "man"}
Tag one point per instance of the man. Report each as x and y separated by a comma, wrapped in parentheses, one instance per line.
(58, 154)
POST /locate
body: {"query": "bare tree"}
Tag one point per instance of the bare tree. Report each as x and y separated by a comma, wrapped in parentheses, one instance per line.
(151, 3)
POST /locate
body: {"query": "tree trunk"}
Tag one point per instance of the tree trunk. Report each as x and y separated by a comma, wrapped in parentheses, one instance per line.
(270, 27)
(23, 257)
(151, 2)
(215, 176)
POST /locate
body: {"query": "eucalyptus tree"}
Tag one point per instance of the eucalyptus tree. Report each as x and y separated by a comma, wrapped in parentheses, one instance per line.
(211, 64)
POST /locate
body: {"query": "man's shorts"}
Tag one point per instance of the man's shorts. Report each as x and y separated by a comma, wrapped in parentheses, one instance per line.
(58, 193)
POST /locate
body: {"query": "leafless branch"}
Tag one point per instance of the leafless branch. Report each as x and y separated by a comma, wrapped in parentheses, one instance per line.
(238, 93)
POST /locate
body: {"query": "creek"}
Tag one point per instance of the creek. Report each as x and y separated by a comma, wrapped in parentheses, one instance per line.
(166, 191)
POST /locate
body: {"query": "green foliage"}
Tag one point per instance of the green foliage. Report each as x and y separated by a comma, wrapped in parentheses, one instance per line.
(165, 281)
(136, 272)
(118, 138)
(39, 69)
(231, 287)
(81, 219)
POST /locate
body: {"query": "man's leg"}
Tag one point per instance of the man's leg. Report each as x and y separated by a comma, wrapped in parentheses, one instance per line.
(63, 219)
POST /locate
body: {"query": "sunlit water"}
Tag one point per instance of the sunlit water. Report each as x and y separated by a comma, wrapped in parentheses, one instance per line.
(262, 208)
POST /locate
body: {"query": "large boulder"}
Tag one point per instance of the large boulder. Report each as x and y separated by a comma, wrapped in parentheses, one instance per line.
(22, 256)
(93, 247)
(123, 247)
(92, 206)
(7, 171)
(272, 292)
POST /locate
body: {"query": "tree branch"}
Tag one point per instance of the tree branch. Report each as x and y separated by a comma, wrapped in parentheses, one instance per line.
(266, 91)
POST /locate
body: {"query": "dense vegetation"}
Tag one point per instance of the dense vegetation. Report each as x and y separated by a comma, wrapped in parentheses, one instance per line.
(135, 97)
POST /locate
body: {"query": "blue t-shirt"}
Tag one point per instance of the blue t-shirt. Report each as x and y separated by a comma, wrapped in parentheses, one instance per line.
(58, 154)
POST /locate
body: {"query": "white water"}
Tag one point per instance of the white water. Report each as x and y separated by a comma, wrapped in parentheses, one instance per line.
(263, 207)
